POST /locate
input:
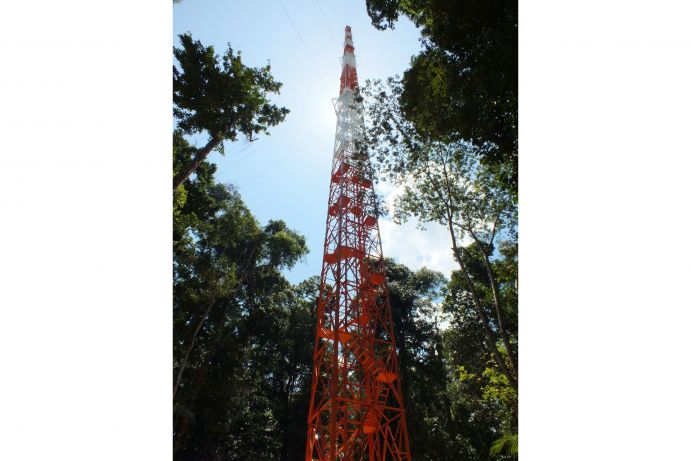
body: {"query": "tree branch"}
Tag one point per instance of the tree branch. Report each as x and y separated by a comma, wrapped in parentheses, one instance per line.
(494, 226)
(199, 157)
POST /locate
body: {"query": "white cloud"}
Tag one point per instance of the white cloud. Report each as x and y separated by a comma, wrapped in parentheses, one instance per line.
(417, 248)
(414, 247)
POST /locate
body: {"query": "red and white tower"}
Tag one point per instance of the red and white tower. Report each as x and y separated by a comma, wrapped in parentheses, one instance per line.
(356, 408)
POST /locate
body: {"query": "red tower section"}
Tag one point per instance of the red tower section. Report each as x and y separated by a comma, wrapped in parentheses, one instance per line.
(356, 408)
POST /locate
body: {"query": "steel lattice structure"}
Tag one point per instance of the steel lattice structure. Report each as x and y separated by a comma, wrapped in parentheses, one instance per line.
(356, 404)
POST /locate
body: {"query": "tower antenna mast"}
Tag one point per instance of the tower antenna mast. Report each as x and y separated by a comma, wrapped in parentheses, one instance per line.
(356, 403)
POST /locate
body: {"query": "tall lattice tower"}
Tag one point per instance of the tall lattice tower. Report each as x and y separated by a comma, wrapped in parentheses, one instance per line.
(356, 407)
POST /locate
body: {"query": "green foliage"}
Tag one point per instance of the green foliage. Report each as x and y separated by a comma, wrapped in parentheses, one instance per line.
(223, 98)
(439, 180)
(464, 84)
(445, 181)
(497, 388)
(414, 300)
(453, 413)
(484, 392)
(220, 98)
(507, 443)
(242, 334)
(195, 208)
(456, 400)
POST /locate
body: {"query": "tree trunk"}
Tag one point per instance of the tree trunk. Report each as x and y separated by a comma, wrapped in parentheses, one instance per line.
(199, 157)
(488, 332)
(198, 381)
(186, 425)
(491, 340)
(243, 276)
(500, 316)
(183, 365)
(497, 304)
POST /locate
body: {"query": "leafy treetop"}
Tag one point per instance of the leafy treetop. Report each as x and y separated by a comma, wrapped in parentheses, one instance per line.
(464, 84)
(223, 98)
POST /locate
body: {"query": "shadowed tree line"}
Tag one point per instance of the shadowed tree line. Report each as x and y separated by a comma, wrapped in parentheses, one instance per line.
(242, 332)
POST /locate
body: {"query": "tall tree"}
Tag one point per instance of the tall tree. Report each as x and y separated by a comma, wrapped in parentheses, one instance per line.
(456, 401)
(464, 84)
(479, 389)
(220, 97)
(444, 182)
(239, 327)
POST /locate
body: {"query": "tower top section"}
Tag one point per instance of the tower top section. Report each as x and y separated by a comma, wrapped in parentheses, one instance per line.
(349, 67)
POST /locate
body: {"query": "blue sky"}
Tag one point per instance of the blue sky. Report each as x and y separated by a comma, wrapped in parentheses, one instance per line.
(286, 175)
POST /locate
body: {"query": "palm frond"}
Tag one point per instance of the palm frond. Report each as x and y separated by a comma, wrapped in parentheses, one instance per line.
(507, 443)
